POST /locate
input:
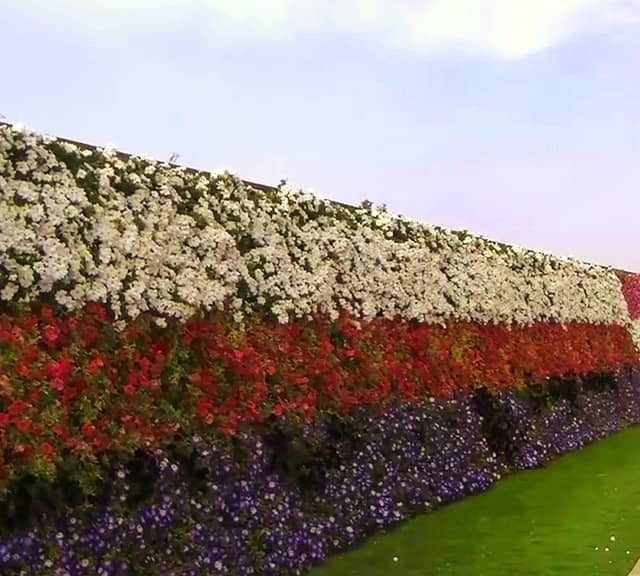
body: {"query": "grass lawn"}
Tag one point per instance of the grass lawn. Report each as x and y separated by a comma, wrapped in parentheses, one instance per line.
(559, 520)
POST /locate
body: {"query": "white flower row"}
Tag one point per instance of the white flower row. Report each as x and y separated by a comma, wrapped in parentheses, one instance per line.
(141, 236)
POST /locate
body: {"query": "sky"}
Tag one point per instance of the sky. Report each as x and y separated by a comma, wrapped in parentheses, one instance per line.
(516, 119)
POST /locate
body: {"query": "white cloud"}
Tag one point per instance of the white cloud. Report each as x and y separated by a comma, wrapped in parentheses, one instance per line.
(506, 29)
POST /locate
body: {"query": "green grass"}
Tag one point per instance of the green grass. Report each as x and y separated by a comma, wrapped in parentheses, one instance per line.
(553, 521)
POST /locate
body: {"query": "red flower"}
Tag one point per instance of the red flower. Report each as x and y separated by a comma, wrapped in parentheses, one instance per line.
(59, 431)
(97, 361)
(16, 408)
(8, 336)
(279, 409)
(204, 381)
(204, 410)
(57, 384)
(22, 369)
(30, 354)
(129, 389)
(47, 449)
(51, 335)
(60, 368)
(252, 413)
(4, 419)
(87, 429)
(97, 311)
(89, 335)
(100, 442)
(46, 313)
(23, 425)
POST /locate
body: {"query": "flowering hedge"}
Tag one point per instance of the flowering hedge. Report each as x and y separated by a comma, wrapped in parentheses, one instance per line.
(140, 236)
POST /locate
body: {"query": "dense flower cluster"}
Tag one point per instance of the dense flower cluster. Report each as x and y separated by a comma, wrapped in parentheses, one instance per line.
(140, 236)
(208, 517)
(71, 382)
(631, 291)
(217, 524)
(568, 423)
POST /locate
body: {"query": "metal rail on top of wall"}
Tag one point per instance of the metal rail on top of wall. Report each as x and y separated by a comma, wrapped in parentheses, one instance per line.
(255, 185)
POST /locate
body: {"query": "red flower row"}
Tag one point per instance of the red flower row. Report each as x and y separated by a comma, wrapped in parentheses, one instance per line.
(73, 383)
(631, 291)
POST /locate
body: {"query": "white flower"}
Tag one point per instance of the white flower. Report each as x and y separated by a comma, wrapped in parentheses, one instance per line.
(9, 291)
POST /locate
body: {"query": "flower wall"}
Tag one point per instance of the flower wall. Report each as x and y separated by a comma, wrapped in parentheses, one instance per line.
(186, 360)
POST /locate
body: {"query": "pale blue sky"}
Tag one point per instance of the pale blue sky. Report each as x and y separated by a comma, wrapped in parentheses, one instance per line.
(521, 124)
